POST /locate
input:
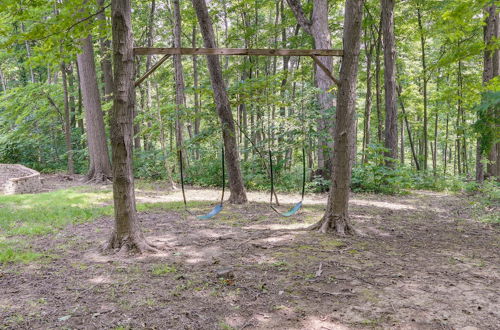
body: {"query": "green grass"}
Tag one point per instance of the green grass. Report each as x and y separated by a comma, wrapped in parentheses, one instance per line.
(163, 269)
(22, 216)
(39, 214)
(25, 216)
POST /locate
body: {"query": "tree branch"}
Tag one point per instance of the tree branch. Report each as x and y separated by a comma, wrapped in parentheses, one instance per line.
(299, 15)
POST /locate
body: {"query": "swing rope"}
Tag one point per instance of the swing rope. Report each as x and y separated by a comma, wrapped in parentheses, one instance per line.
(216, 210)
(298, 205)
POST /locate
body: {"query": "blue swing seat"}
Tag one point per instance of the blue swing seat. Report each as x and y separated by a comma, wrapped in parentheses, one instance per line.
(216, 210)
(293, 210)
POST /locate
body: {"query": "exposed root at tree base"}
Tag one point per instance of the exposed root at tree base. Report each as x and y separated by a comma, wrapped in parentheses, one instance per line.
(98, 178)
(238, 199)
(135, 244)
(334, 224)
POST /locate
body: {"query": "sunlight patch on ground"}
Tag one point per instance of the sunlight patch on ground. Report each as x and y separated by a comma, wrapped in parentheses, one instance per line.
(101, 280)
(387, 205)
(194, 254)
(315, 323)
(277, 226)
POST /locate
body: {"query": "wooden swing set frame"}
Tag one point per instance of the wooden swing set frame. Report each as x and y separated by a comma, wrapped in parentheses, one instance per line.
(168, 52)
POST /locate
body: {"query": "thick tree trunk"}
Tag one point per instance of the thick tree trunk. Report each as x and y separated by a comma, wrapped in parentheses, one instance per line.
(100, 168)
(238, 194)
(126, 235)
(67, 121)
(318, 29)
(490, 71)
(336, 218)
(391, 115)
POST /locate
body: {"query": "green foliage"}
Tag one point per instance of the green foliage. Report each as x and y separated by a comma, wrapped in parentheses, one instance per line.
(488, 121)
(375, 176)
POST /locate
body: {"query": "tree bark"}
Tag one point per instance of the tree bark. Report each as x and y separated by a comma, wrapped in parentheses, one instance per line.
(100, 168)
(106, 66)
(336, 217)
(238, 193)
(424, 79)
(391, 115)
(369, 45)
(126, 235)
(67, 121)
(317, 27)
(180, 97)
(490, 71)
(378, 93)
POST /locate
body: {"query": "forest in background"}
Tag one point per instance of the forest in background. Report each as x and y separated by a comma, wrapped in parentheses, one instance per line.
(447, 111)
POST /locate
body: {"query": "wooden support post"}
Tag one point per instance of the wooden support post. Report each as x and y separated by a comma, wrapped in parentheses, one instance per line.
(325, 70)
(153, 69)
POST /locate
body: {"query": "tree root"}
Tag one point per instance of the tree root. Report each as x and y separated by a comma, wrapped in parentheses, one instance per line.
(238, 199)
(132, 244)
(98, 178)
(334, 224)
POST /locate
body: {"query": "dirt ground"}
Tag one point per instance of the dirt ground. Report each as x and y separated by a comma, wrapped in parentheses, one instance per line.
(419, 261)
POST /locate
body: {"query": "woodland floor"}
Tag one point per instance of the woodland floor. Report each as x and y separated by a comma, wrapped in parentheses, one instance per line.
(419, 261)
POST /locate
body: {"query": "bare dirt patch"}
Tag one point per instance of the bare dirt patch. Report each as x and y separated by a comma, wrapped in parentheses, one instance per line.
(418, 262)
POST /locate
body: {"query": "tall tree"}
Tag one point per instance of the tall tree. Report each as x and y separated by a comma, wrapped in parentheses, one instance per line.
(391, 115)
(317, 27)
(180, 97)
(238, 193)
(336, 217)
(126, 235)
(67, 120)
(493, 32)
(100, 168)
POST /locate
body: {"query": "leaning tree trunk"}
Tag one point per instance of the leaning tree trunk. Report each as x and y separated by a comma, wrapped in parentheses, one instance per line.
(336, 218)
(238, 194)
(100, 168)
(391, 115)
(126, 235)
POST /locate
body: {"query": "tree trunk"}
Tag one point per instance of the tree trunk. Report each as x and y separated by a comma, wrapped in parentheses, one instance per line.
(106, 66)
(67, 121)
(378, 92)
(238, 194)
(391, 115)
(490, 71)
(336, 218)
(196, 93)
(318, 29)
(126, 235)
(100, 168)
(180, 97)
(368, 100)
(424, 79)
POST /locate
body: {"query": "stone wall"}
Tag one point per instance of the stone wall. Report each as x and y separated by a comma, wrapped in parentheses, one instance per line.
(18, 179)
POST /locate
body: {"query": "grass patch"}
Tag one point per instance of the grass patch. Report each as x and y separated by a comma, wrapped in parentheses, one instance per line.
(163, 269)
(27, 215)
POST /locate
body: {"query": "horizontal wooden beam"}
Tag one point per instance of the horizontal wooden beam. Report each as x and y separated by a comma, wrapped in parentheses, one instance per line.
(237, 51)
